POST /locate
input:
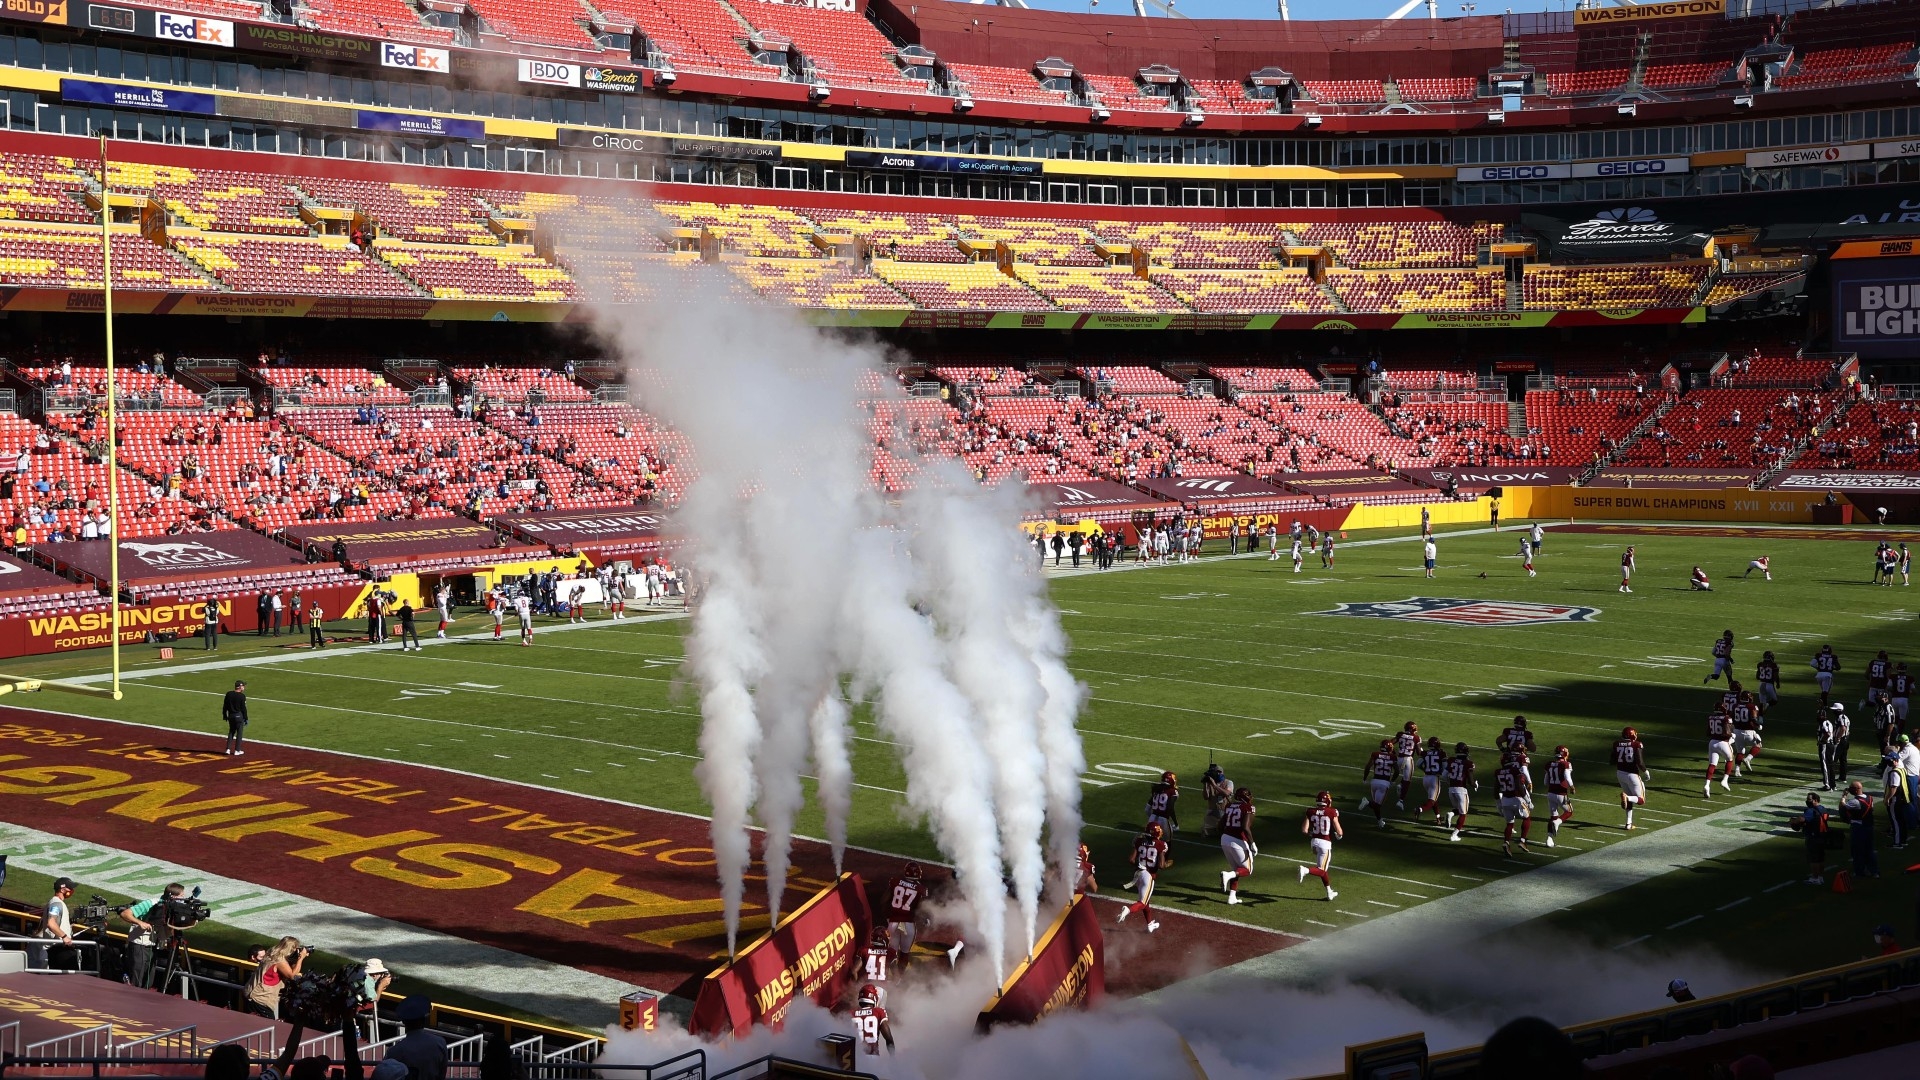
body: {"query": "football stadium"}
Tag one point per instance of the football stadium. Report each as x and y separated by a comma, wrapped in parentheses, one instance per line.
(800, 538)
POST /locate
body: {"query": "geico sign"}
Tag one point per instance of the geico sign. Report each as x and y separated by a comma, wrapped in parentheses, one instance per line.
(1632, 167)
(189, 28)
(549, 72)
(417, 57)
(1488, 174)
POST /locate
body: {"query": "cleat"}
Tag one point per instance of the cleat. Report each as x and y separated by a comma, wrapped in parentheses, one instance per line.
(1123, 914)
(1152, 926)
(1456, 836)
(953, 954)
(1726, 783)
(1226, 880)
(1233, 898)
(1506, 847)
(1331, 894)
(1401, 805)
(1364, 803)
(1523, 846)
(1549, 840)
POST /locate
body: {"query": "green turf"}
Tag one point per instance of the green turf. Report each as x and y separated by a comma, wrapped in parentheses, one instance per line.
(1224, 660)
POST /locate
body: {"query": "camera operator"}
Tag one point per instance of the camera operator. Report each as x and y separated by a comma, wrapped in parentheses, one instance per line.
(279, 967)
(141, 935)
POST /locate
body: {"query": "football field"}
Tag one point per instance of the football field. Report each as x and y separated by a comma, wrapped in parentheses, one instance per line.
(1286, 680)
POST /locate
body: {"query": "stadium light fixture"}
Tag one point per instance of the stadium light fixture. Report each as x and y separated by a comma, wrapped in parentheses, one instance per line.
(1313, 121)
(664, 78)
(1744, 101)
(1100, 113)
(1629, 109)
(1496, 116)
(963, 104)
(819, 91)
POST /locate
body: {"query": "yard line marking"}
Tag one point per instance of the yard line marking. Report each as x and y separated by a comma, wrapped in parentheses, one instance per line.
(549, 776)
(577, 768)
(1630, 944)
(503, 756)
(1734, 904)
(1466, 877)
(1685, 921)
(1494, 869)
(1415, 895)
(1317, 922)
(1777, 888)
(1384, 904)
(1355, 914)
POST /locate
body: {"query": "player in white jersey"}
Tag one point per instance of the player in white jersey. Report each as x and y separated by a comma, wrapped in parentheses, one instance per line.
(1626, 569)
(1762, 564)
(443, 600)
(1296, 554)
(497, 603)
(1526, 555)
(1273, 542)
(523, 607)
(1559, 784)
(1428, 555)
(1406, 746)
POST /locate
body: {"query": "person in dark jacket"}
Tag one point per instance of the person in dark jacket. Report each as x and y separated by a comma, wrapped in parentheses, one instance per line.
(233, 709)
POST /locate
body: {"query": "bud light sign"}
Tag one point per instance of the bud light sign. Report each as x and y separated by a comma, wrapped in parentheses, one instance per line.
(415, 57)
(1876, 307)
(192, 28)
(549, 73)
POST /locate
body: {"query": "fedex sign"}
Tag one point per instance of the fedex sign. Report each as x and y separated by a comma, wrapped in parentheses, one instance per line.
(193, 28)
(416, 57)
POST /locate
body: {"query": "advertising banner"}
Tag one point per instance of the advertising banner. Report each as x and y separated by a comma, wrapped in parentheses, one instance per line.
(411, 124)
(32, 635)
(549, 72)
(1671, 166)
(585, 528)
(1809, 155)
(1091, 497)
(1676, 504)
(40, 11)
(1619, 234)
(873, 159)
(1066, 971)
(122, 96)
(1876, 307)
(24, 579)
(415, 58)
(1498, 174)
(1673, 478)
(1213, 489)
(376, 540)
(1844, 480)
(1680, 9)
(813, 954)
(1469, 476)
(1344, 482)
(192, 29)
(610, 80)
(162, 558)
(308, 44)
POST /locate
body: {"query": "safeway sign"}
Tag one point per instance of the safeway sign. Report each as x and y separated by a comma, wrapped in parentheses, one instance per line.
(549, 73)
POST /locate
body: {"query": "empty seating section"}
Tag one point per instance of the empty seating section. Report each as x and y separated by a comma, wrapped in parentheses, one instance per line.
(1245, 290)
(1395, 244)
(333, 386)
(1216, 95)
(693, 35)
(1199, 245)
(538, 22)
(1445, 89)
(1096, 288)
(455, 273)
(1683, 53)
(1004, 84)
(1612, 287)
(1346, 91)
(1580, 423)
(1481, 289)
(70, 478)
(216, 199)
(517, 384)
(1855, 43)
(1128, 380)
(912, 237)
(1260, 379)
(843, 45)
(393, 19)
(37, 187)
(305, 266)
(814, 283)
(1587, 83)
(748, 230)
(978, 286)
(1746, 428)
(1054, 242)
(127, 381)
(69, 258)
(411, 211)
(1730, 287)
(1122, 92)
(225, 9)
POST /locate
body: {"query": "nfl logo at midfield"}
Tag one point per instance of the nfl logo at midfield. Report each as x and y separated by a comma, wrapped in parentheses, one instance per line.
(1434, 609)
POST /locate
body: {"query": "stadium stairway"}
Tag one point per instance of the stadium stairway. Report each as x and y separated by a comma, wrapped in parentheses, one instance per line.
(1810, 439)
(1646, 424)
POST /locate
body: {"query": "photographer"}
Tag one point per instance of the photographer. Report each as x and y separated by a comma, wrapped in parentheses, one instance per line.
(280, 967)
(141, 937)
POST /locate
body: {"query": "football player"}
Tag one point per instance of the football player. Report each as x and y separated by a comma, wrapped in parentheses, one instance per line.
(1236, 843)
(1722, 658)
(1559, 780)
(1697, 581)
(1515, 736)
(1630, 764)
(1083, 873)
(1218, 791)
(1163, 805)
(1326, 551)
(1433, 774)
(879, 961)
(1459, 781)
(1900, 687)
(1761, 564)
(1879, 671)
(1406, 746)
(1767, 674)
(1526, 556)
(1825, 666)
(1746, 732)
(1626, 570)
(1719, 749)
(1322, 828)
(1516, 798)
(1149, 855)
(1379, 772)
(870, 1022)
(903, 909)
(1296, 554)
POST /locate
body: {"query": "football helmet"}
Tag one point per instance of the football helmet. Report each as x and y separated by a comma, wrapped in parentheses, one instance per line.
(1325, 798)
(1629, 733)
(1459, 748)
(1243, 794)
(1520, 722)
(879, 936)
(912, 871)
(1433, 741)
(1411, 727)
(869, 994)
(1155, 831)
(1386, 744)
(1562, 753)
(1168, 777)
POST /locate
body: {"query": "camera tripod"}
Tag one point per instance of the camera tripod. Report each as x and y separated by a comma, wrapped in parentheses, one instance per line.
(179, 958)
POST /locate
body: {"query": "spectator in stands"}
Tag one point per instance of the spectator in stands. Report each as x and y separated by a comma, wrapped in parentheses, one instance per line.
(422, 1050)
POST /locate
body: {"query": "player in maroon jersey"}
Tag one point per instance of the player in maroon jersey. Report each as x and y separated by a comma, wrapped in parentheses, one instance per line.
(1516, 798)
(1459, 782)
(1719, 749)
(1746, 732)
(1630, 763)
(870, 1024)
(1379, 772)
(1626, 570)
(1406, 746)
(1559, 780)
(1879, 670)
(1322, 828)
(1149, 856)
(903, 910)
(1722, 656)
(1515, 736)
(1083, 873)
(1236, 842)
(1163, 806)
(878, 961)
(1433, 774)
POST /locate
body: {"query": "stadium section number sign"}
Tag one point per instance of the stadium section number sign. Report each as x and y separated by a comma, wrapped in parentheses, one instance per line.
(1433, 609)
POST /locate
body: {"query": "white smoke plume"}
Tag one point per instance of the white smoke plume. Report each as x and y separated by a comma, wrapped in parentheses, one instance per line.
(806, 578)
